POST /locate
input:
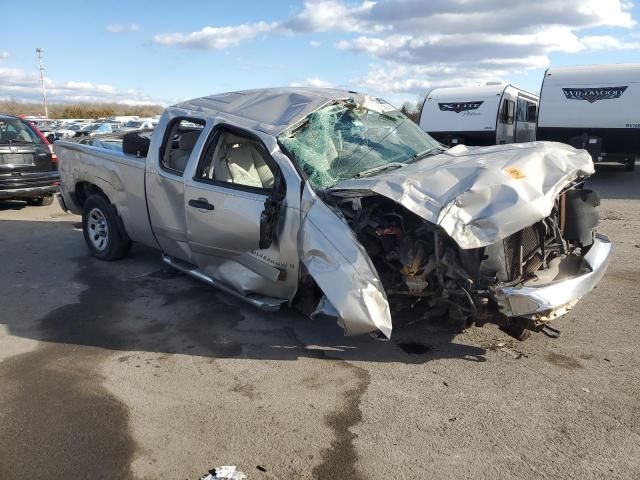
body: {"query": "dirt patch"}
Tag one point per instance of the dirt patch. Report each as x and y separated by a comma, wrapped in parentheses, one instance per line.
(562, 361)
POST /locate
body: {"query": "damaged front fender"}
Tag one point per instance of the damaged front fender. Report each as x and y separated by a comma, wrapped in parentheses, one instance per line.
(342, 269)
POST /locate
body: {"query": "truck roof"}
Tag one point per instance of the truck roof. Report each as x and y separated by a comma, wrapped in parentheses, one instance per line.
(272, 109)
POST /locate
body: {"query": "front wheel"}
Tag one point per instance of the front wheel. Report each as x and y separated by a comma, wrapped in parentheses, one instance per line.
(101, 230)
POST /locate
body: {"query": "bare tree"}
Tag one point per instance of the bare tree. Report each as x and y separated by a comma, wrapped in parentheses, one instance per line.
(78, 110)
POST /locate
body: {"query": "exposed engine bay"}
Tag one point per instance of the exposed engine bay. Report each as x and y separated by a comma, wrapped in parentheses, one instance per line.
(426, 274)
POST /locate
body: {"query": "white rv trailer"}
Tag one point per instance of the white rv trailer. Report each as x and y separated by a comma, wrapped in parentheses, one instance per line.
(595, 107)
(485, 115)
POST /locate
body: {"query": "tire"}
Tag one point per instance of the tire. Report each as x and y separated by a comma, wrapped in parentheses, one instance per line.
(630, 166)
(101, 230)
(40, 201)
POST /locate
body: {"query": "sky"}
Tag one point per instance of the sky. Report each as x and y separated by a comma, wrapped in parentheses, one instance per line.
(140, 52)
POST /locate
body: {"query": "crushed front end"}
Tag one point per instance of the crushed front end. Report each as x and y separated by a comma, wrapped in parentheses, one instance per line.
(523, 280)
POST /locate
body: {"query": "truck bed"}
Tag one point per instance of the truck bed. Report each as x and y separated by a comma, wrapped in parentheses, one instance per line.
(99, 161)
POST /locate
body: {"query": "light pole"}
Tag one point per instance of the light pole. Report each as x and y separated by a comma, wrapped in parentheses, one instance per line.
(40, 51)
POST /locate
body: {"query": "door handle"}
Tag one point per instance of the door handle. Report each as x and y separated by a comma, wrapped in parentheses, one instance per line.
(201, 204)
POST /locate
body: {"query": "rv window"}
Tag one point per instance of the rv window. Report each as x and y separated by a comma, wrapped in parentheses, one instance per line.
(527, 110)
(508, 111)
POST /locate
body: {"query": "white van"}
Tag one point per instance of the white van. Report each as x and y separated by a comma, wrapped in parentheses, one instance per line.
(485, 115)
(595, 107)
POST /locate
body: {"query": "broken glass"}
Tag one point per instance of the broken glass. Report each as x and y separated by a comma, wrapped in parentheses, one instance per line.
(343, 140)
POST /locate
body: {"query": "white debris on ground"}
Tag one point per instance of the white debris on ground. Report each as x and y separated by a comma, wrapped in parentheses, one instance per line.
(227, 472)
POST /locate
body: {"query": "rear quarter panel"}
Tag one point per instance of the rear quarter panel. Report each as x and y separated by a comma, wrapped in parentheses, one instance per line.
(119, 176)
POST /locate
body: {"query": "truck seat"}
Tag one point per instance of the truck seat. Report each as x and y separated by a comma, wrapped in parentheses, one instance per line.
(179, 157)
(242, 164)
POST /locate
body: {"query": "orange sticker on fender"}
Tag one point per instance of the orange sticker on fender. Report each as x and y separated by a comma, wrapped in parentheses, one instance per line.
(514, 173)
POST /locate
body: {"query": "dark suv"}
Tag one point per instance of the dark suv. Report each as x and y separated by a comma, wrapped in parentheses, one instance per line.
(28, 166)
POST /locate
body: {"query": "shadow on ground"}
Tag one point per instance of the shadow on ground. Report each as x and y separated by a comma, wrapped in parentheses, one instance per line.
(139, 304)
(611, 181)
(12, 205)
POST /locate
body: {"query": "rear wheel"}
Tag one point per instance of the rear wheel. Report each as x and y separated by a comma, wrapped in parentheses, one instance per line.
(102, 233)
(40, 201)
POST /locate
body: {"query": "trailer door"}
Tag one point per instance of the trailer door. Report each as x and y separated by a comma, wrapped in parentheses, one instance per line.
(505, 126)
(526, 113)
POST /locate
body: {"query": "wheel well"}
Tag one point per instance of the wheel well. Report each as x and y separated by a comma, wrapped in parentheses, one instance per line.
(84, 190)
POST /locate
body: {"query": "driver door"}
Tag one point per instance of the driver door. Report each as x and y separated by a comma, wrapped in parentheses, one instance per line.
(232, 211)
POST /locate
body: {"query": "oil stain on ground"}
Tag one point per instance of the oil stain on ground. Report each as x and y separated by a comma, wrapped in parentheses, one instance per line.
(340, 459)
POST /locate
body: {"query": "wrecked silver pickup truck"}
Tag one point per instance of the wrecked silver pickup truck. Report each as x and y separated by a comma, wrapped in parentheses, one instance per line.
(337, 203)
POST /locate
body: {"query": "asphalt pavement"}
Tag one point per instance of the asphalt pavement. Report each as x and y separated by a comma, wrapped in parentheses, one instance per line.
(131, 370)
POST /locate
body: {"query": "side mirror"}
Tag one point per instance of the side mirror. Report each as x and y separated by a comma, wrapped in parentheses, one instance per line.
(271, 213)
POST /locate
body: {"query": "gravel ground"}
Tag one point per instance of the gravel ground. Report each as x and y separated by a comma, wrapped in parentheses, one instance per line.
(130, 370)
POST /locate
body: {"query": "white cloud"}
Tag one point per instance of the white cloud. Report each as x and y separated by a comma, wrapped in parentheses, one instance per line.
(326, 15)
(313, 82)
(22, 85)
(461, 41)
(607, 42)
(416, 44)
(215, 37)
(122, 28)
(4, 55)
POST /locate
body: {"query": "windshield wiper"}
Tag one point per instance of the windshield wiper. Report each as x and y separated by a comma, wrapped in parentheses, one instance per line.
(427, 152)
(378, 169)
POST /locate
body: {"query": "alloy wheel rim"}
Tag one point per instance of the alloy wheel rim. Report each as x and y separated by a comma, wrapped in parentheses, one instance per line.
(98, 229)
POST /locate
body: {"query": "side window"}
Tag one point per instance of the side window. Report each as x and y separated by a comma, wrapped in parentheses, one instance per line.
(182, 135)
(527, 110)
(236, 160)
(532, 112)
(508, 112)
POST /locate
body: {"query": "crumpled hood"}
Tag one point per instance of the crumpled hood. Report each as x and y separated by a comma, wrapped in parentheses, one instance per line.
(480, 195)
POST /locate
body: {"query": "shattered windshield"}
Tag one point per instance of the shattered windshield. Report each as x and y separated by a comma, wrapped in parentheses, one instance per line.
(345, 140)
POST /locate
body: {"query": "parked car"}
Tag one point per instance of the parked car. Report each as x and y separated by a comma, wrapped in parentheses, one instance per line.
(68, 131)
(98, 128)
(482, 115)
(137, 125)
(336, 200)
(594, 107)
(28, 165)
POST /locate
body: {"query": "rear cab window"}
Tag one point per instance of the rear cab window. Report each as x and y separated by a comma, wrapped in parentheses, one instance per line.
(180, 138)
